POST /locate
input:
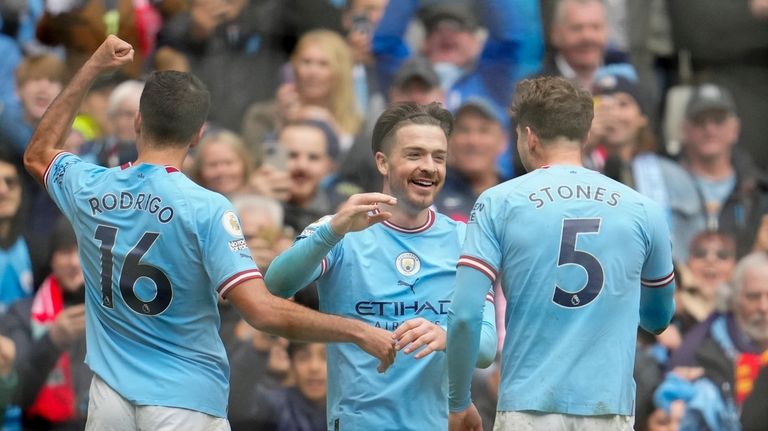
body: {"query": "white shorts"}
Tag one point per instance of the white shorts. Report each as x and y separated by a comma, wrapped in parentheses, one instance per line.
(529, 421)
(109, 411)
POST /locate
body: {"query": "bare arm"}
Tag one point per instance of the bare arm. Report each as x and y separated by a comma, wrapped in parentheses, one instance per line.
(49, 137)
(264, 311)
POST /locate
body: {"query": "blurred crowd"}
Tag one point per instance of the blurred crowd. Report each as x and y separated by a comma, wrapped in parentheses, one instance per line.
(681, 114)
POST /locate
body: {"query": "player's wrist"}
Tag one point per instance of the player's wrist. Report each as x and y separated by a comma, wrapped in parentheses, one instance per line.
(329, 234)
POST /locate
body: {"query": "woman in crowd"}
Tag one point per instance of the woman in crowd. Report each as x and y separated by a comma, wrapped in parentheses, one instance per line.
(222, 163)
(624, 148)
(319, 76)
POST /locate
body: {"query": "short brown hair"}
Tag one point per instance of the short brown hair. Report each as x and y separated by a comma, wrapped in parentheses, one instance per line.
(553, 107)
(42, 66)
(402, 114)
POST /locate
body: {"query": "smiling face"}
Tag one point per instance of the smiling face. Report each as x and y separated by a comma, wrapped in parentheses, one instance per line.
(221, 168)
(711, 262)
(308, 160)
(314, 72)
(414, 166)
(476, 142)
(622, 117)
(580, 34)
(36, 95)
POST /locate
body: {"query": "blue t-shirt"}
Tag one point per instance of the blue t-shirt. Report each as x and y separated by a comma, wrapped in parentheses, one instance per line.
(155, 250)
(571, 247)
(15, 274)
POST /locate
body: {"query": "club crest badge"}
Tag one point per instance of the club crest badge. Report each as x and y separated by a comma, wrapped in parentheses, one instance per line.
(407, 263)
(231, 224)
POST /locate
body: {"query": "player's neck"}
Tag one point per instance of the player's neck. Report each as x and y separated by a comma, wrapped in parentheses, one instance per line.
(173, 156)
(408, 218)
(556, 154)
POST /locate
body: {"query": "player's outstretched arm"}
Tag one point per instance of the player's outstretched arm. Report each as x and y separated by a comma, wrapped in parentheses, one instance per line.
(54, 127)
(464, 328)
(267, 312)
(300, 264)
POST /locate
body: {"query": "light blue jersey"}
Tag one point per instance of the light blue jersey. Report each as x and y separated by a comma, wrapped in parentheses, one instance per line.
(385, 275)
(15, 274)
(572, 247)
(155, 249)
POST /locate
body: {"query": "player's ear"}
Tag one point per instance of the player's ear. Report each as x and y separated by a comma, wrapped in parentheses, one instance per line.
(137, 123)
(382, 163)
(531, 139)
(199, 135)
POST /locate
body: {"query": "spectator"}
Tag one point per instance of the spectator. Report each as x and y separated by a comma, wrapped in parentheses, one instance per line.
(477, 140)
(726, 342)
(711, 262)
(119, 146)
(624, 149)
(222, 163)
(39, 79)
(227, 44)
(80, 27)
(465, 66)
(15, 261)
(49, 332)
(733, 53)
(311, 148)
(754, 415)
(359, 19)
(261, 220)
(320, 76)
(733, 193)
(8, 378)
(579, 35)
(302, 408)
(259, 366)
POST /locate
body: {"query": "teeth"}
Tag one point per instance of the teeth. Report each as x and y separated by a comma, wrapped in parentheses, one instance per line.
(423, 182)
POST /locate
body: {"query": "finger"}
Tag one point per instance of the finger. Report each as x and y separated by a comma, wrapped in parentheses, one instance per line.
(402, 329)
(374, 198)
(412, 338)
(412, 347)
(424, 352)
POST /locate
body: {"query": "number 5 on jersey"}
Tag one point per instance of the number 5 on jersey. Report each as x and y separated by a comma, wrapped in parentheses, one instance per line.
(569, 255)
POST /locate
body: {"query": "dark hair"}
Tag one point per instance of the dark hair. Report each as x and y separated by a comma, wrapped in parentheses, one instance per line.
(332, 147)
(295, 347)
(402, 114)
(173, 107)
(17, 221)
(553, 107)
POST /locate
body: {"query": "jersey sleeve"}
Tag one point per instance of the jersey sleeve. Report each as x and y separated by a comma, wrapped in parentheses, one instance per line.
(481, 250)
(307, 260)
(326, 237)
(657, 268)
(227, 259)
(66, 174)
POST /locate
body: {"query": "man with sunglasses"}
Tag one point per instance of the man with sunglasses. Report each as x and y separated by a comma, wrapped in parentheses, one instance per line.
(732, 191)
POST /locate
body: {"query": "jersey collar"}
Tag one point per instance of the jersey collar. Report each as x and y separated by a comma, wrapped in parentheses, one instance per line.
(422, 228)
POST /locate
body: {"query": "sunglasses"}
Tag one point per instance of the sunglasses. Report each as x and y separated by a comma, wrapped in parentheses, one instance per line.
(720, 254)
